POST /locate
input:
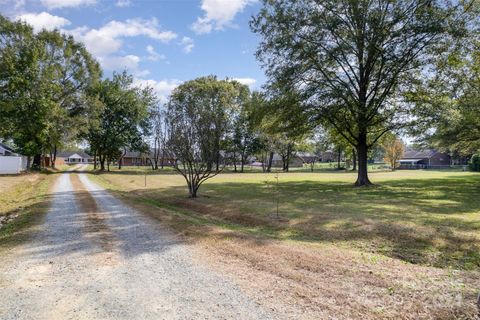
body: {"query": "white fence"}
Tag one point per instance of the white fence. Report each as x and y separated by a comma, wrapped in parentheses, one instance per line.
(12, 165)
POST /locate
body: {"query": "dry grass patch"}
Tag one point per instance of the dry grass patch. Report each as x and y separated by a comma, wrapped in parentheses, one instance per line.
(325, 282)
(408, 248)
(23, 200)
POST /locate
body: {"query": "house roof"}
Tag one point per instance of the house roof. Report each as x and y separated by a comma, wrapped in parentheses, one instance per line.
(68, 154)
(306, 155)
(419, 154)
(7, 148)
(411, 160)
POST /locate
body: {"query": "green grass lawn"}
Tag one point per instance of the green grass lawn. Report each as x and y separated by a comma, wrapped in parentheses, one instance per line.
(423, 217)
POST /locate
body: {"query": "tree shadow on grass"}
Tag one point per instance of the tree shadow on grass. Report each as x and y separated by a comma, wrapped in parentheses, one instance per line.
(430, 222)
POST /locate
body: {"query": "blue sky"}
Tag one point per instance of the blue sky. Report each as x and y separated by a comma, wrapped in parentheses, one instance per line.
(162, 43)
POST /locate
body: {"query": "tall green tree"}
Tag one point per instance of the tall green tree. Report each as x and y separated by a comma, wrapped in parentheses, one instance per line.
(448, 103)
(350, 59)
(24, 107)
(118, 118)
(43, 80)
(243, 141)
(71, 72)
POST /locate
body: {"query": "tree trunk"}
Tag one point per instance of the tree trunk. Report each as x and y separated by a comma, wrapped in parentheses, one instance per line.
(54, 158)
(235, 162)
(162, 161)
(287, 158)
(354, 160)
(37, 161)
(270, 160)
(243, 163)
(362, 152)
(29, 162)
(192, 189)
(339, 158)
(102, 163)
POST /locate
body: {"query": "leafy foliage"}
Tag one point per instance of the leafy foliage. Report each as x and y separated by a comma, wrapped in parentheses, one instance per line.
(198, 125)
(43, 80)
(349, 60)
(394, 149)
(475, 162)
(118, 117)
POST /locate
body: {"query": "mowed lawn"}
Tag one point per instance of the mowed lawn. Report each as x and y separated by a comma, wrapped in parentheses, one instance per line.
(430, 218)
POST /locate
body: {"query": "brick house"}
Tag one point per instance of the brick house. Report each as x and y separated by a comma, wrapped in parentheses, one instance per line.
(425, 159)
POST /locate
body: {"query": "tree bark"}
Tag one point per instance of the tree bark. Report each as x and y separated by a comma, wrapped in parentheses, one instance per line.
(54, 158)
(362, 152)
(234, 162)
(354, 160)
(339, 158)
(243, 163)
(37, 161)
(102, 163)
(270, 160)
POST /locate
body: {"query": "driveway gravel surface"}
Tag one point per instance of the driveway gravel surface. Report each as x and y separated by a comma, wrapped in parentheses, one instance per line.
(93, 257)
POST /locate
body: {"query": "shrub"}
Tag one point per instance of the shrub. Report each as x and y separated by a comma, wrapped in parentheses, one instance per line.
(475, 162)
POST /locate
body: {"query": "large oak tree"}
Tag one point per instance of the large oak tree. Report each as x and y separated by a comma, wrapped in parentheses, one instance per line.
(349, 59)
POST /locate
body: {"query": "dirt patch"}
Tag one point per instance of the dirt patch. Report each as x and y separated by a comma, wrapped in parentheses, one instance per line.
(96, 228)
(320, 282)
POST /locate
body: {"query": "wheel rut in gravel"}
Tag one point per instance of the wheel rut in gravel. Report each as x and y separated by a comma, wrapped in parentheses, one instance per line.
(96, 258)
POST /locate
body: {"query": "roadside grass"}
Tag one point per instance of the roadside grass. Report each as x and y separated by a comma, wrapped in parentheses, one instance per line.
(25, 199)
(422, 217)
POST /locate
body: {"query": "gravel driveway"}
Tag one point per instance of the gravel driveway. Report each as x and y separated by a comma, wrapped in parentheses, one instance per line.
(95, 258)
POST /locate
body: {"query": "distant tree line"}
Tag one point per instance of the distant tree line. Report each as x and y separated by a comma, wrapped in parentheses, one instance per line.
(342, 76)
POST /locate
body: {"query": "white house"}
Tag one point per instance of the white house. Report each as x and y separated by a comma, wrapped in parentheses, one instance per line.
(73, 158)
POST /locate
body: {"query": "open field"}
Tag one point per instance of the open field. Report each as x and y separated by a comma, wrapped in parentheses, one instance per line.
(411, 242)
(23, 198)
(425, 217)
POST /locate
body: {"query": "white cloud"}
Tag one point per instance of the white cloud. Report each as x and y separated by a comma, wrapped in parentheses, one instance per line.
(187, 44)
(153, 55)
(123, 3)
(108, 39)
(129, 62)
(119, 63)
(218, 14)
(162, 88)
(246, 81)
(55, 4)
(43, 20)
(106, 42)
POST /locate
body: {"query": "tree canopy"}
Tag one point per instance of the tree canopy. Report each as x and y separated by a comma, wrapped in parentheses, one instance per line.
(199, 114)
(350, 60)
(43, 80)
